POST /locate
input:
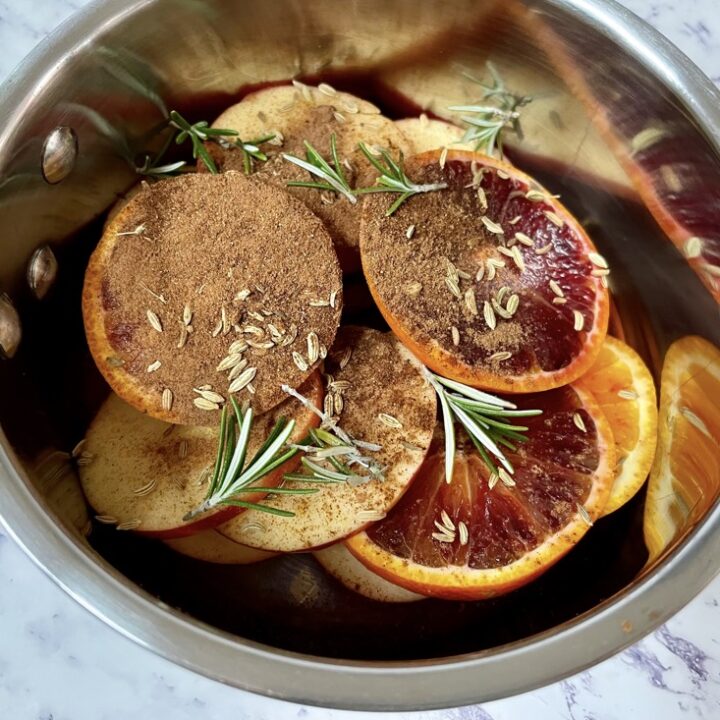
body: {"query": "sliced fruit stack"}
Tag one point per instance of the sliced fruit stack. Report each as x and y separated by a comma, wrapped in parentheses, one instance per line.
(246, 422)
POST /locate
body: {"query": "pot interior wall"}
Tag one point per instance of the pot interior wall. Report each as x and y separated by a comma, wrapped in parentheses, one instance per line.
(200, 57)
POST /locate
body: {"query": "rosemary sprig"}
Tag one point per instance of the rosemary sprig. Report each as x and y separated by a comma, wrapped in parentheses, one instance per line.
(489, 122)
(332, 177)
(251, 150)
(483, 417)
(234, 475)
(198, 133)
(326, 443)
(393, 179)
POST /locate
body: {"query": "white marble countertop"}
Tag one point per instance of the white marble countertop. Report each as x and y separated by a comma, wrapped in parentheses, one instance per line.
(57, 662)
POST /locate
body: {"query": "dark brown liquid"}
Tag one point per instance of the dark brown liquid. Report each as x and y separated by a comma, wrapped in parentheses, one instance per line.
(289, 602)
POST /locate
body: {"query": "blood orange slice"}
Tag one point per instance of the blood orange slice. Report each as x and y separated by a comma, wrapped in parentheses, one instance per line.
(622, 385)
(466, 540)
(670, 163)
(491, 281)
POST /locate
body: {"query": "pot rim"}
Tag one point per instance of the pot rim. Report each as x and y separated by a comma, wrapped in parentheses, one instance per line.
(359, 685)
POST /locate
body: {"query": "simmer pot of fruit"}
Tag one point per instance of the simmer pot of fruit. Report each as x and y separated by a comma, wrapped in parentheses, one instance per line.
(366, 359)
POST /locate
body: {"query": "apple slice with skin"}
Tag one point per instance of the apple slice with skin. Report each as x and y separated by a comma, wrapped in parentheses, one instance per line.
(387, 401)
(211, 546)
(145, 475)
(339, 562)
(293, 117)
(424, 133)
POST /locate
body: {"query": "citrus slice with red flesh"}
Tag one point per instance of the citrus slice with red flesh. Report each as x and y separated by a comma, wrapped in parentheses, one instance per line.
(194, 295)
(685, 479)
(143, 474)
(496, 286)
(463, 540)
(670, 163)
(624, 389)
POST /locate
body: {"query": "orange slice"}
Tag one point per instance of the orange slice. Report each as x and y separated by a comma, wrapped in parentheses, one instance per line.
(490, 281)
(670, 164)
(685, 478)
(623, 387)
(498, 539)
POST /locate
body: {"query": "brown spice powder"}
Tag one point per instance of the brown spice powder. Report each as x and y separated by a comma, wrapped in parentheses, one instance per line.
(235, 256)
(316, 125)
(453, 236)
(382, 377)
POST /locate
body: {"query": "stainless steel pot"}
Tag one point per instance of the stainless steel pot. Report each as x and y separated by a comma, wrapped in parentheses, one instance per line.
(74, 117)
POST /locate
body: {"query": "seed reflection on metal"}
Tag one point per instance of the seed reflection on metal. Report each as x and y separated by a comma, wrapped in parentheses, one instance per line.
(10, 329)
(42, 271)
(59, 154)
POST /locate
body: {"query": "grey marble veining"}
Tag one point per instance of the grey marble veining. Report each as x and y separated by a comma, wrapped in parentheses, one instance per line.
(57, 662)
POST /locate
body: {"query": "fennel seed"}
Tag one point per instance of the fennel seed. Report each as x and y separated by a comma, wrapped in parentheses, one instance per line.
(242, 380)
(390, 420)
(557, 290)
(154, 321)
(313, 348)
(166, 399)
(299, 361)
(463, 533)
(489, 315)
(492, 226)
(578, 320)
(579, 422)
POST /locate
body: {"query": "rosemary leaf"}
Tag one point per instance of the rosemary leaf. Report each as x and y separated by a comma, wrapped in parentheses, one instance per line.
(279, 490)
(484, 418)
(449, 426)
(332, 175)
(487, 123)
(393, 179)
(301, 477)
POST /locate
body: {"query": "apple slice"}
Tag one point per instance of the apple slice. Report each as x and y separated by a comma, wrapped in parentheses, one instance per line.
(211, 546)
(291, 117)
(143, 474)
(424, 133)
(339, 562)
(276, 109)
(386, 401)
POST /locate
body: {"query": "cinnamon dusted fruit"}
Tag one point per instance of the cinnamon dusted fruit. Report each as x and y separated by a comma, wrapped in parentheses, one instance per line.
(378, 396)
(145, 475)
(491, 281)
(206, 286)
(298, 115)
